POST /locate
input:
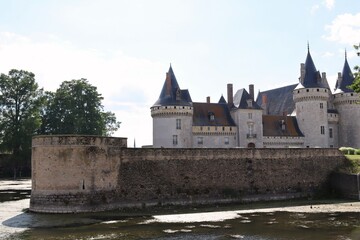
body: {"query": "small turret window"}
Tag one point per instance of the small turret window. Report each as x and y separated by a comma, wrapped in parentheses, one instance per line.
(178, 123)
(321, 105)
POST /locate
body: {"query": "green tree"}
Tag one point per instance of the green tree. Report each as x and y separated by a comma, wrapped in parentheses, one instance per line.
(20, 101)
(356, 84)
(75, 108)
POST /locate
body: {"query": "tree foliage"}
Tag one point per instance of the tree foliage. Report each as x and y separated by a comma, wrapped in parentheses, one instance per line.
(75, 108)
(356, 84)
(20, 101)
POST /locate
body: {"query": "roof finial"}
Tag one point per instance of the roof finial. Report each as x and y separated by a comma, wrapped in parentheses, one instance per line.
(308, 46)
(345, 54)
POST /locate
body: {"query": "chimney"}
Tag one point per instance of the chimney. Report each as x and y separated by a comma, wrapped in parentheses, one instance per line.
(323, 75)
(302, 72)
(264, 104)
(168, 84)
(339, 75)
(207, 99)
(230, 96)
(251, 91)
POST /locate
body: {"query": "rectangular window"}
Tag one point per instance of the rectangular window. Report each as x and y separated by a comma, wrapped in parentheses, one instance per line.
(250, 115)
(178, 123)
(175, 140)
(200, 140)
(321, 105)
(226, 140)
(251, 129)
(330, 133)
(322, 130)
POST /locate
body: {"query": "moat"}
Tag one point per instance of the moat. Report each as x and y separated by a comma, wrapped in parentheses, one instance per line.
(301, 219)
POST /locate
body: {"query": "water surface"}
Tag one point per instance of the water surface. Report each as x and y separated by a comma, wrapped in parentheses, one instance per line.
(265, 221)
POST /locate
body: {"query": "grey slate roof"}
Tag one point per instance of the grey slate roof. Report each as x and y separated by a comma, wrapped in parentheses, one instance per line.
(171, 94)
(273, 126)
(279, 100)
(240, 100)
(347, 78)
(222, 100)
(220, 111)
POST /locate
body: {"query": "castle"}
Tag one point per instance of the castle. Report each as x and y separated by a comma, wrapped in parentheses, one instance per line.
(305, 114)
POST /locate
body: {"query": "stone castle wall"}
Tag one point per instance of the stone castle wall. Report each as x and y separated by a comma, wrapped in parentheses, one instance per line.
(80, 174)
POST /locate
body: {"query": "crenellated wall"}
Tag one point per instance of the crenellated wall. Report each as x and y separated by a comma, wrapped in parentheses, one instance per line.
(82, 174)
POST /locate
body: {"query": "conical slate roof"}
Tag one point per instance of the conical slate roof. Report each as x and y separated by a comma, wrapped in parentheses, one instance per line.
(171, 94)
(347, 78)
(312, 76)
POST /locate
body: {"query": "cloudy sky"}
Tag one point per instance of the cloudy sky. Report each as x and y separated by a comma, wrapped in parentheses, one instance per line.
(125, 47)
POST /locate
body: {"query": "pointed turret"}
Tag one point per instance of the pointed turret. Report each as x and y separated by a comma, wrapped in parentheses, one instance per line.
(312, 77)
(171, 94)
(345, 79)
(222, 100)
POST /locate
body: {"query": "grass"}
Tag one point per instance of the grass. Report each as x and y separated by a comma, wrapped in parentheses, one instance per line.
(352, 166)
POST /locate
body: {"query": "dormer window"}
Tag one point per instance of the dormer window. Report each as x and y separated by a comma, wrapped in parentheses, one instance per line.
(211, 116)
(178, 94)
(249, 103)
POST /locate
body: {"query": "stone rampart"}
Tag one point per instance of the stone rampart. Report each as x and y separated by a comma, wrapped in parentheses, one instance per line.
(81, 174)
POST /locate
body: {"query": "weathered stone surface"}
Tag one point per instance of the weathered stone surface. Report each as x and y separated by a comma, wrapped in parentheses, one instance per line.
(79, 175)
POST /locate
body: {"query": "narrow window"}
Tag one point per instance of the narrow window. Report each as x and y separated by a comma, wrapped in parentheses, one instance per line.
(321, 105)
(175, 140)
(178, 123)
(250, 115)
(226, 140)
(200, 140)
(322, 130)
(330, 133)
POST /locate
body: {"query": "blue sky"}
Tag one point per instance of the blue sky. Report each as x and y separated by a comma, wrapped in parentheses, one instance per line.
(125, 47)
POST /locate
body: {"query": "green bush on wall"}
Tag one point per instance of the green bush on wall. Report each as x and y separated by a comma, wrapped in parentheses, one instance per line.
(349, 151)
(357, 151)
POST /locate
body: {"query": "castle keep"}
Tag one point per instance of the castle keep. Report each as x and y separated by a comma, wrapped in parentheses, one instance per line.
(305, 114)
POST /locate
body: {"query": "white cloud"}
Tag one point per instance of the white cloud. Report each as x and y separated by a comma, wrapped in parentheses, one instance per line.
(314, 9)
(329, 4)
(328, 54)
(345, 29)
(115, 74)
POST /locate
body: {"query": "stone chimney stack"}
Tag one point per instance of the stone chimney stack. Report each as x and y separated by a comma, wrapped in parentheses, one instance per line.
(230, 96)
(207, 99)
(264, 104)
(302, 72)
(339, 75)
(251, 91)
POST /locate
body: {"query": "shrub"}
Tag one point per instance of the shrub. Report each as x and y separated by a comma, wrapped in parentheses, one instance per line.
(357, 152)
(344, 150)
(348, 150)
(351, 151)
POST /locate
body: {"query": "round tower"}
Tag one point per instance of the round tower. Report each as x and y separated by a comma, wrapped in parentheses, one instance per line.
(346, 102)
(311, 98)
(172, 116)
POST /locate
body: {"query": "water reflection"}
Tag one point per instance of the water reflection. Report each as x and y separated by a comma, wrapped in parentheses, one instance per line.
(231, 222)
